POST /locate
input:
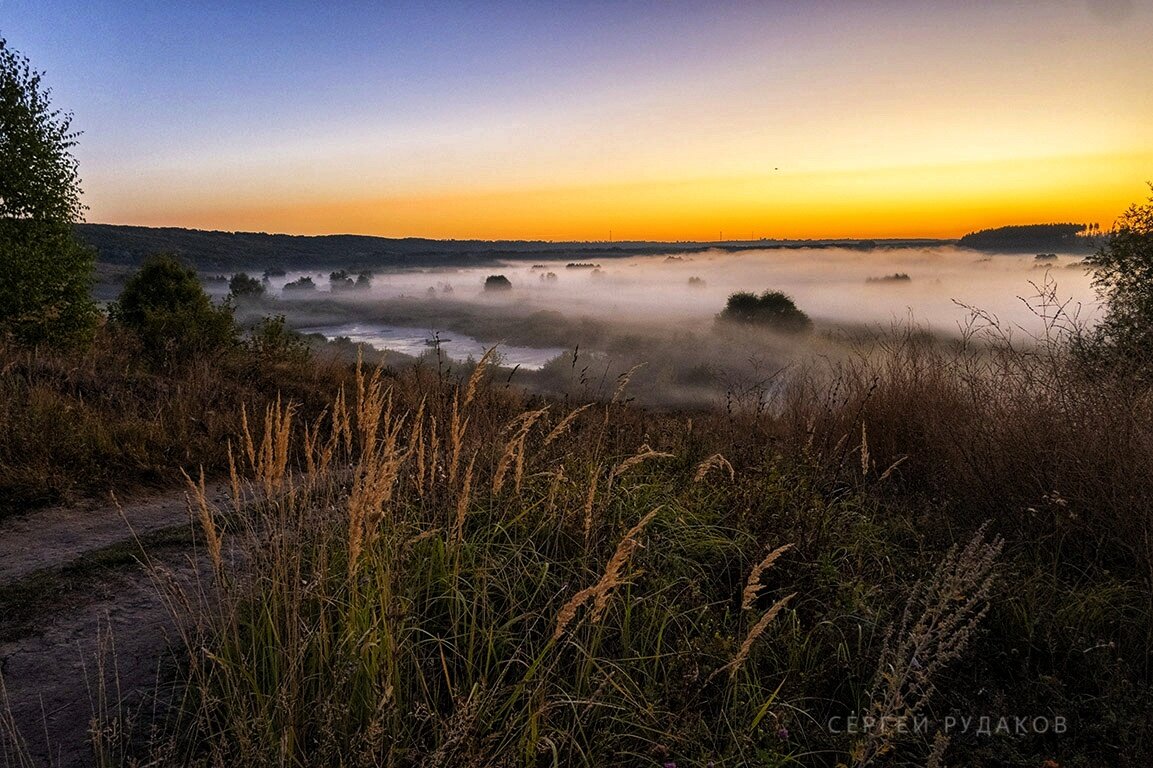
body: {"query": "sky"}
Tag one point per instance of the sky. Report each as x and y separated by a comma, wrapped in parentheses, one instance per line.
(600, 120)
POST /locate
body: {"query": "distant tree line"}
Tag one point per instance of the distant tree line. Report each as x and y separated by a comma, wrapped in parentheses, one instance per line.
(1031, 237)
(218, 251)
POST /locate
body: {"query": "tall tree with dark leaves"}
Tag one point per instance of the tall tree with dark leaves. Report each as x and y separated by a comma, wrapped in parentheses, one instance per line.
(45, 273)
(1122, 271)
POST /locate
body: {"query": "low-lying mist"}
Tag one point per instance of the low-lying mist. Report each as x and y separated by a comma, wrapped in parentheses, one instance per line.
(578, 326)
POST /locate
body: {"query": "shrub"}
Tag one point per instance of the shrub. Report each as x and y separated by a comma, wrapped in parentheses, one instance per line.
(45, 279)
(302, 284)
(771, 309)
(271, 341)
(164, 305)
(497, 283)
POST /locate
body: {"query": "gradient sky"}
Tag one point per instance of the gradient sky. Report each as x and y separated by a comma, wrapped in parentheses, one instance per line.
(568, 120)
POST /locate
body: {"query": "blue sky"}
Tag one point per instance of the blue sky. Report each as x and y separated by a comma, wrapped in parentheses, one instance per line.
(443, 119)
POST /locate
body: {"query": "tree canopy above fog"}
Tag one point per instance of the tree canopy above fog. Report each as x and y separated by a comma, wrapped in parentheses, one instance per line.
(772, 309)
(1029, 237)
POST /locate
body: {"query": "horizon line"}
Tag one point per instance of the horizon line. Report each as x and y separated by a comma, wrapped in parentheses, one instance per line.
(854, 239)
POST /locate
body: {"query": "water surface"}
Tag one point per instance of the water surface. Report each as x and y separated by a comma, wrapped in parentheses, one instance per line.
(455, 346)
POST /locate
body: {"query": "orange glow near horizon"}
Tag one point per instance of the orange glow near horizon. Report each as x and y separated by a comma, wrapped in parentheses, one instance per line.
(943, 201)
(682, 121)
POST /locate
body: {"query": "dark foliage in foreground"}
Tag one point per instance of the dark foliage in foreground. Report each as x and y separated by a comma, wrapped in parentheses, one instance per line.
(45, 273)
(1123, 276)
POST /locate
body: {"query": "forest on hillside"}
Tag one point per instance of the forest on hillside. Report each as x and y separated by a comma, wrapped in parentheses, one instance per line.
(1024, 238)
(218, 250)
(212, 251)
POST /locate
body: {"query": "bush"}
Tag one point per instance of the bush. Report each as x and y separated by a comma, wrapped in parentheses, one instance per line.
(271, 341)
(772, 309)
(303, 284)
(45, 283)
(164, 305)
(497, 283)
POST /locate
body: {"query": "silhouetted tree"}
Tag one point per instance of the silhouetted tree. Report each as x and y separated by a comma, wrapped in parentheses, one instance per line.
(1123, 276)
(497, 283)
(242, 286)
(45, 273)
(771, 309)
(302, 284)
(165, 306)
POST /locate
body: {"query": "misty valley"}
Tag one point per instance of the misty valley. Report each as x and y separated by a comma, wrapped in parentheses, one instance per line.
(556, 317)
(550, 385)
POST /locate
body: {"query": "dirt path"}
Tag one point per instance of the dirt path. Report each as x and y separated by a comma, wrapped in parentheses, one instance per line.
(52, 538)
(75, 606)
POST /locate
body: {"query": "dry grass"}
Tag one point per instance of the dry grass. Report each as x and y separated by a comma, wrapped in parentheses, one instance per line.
(937, 624)
(611, 579)
(716, 461)
(421, 624)
(757, 630)
(423, 568)
(753, 585)
(443, 624)
(86, 423)
(1000, 429)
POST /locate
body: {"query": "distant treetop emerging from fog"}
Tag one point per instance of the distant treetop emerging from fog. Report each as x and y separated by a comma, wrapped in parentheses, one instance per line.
(1030, 237)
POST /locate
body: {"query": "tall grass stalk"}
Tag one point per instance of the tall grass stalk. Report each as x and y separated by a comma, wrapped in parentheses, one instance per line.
(393, 629)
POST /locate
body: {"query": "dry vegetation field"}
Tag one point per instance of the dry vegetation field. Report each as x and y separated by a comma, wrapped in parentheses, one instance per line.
(427, 566)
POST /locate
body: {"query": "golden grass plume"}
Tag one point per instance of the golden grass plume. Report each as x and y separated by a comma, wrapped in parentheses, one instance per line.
(753, 584)
(600, 592)
(714, 462)
(758, 629)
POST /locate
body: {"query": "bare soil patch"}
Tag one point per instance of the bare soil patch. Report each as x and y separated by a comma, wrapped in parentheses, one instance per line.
(84, 628)
(52, 538)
